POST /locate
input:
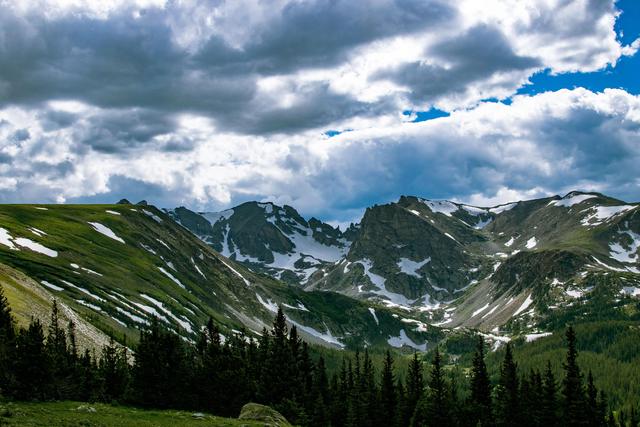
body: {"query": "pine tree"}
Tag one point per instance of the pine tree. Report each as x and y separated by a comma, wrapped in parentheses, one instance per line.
(114, 371)
(56, 337)
(549, 407)
(507, 399)
(32, 368)
(276, 381)
(160, 372)
(73, 346)
(388, 396)
(480, 387)
(438, 408)
(592, 412)
(369, 391)
(415, 388)
(603, 406)
(454, 400)
(572, 390)
(7, 346)
(305, 376)
(534, 411)
(321, 401)
(56, 345)
(401, 407)
(633, 417)
(89, 385)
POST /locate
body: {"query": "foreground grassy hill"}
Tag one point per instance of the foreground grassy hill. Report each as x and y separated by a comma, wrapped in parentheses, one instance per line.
(56, 414)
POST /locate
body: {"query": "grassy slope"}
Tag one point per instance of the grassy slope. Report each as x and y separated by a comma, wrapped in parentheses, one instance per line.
(67, 414)
(130, 270)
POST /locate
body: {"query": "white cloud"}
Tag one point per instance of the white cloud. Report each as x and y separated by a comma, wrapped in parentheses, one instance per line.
(491, 154)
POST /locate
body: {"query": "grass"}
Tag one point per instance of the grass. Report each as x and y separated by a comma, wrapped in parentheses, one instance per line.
(127, 271)
(28, 414)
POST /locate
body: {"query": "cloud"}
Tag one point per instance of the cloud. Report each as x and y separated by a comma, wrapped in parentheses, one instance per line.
(538, 145)
(468, 61)
(328, 56)
(209, 104)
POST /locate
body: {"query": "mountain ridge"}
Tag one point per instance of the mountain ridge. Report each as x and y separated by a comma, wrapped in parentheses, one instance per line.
(423, 255)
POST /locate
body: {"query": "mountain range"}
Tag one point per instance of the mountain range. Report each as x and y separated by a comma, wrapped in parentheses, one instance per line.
(408, 275)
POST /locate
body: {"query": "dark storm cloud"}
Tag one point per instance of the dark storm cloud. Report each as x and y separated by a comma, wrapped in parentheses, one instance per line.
(321, 33)
(316, 105)
(127, 61)
(474, 56)
(117, 131)
(54, 119)
(120, 62)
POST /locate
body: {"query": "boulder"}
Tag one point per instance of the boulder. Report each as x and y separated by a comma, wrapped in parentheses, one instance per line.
(264, 414)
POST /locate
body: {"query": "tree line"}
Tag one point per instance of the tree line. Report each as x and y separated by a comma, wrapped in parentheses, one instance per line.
(220, 374)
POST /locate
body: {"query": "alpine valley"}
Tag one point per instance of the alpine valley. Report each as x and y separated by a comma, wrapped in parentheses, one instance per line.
(412, 275)
(409, 275)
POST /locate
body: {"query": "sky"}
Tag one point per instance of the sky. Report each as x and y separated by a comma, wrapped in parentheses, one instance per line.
(326, 105)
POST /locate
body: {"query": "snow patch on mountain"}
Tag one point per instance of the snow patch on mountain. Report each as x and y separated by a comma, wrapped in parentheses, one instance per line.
(531, 243)
(533, 337)
(6, 239)
(482, 223)
(163, 244)
(324, 336)
(155, 217)
(132, 316)
(420, 326)
(35, 246)
(630, 290)
(622, 254)
(481, 309)
(503, 208)
(170, 276)
(527, 302)
(410, 267)
(83, 290)
(306, 244)
(490, 312)
(574, 293)
(37, 232)
(601, 214)
(106, 231)
(268, 304)
(88, 304)
(182, 321)
(444, 207)
(403, 340)
(237, 273)
(474, 210)
(571, 199)
(392, 298)
(51, 286)
(373, 313)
